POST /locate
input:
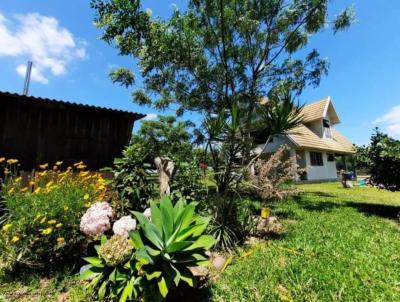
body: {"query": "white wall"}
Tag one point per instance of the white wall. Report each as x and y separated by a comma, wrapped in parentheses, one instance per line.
(327, 171)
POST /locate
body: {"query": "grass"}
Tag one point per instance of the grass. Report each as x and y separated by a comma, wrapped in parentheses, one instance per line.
(340, 245)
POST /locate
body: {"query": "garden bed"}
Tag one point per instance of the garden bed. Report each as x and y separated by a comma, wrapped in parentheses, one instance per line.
(340, 245)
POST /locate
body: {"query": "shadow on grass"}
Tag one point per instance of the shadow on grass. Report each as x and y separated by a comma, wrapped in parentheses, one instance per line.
(373, 209)
(201, 293)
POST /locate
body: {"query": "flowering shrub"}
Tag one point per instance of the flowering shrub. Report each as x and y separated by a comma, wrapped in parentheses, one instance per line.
(156, 256)
(42, 211)
(124, 225)
(96, 219)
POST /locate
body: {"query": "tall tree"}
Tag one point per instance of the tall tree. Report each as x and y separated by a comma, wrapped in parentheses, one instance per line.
(219, 56)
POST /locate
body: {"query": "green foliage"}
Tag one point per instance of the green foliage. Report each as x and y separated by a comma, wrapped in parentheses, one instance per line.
(116, 279)
(170, 243)
(132, 179)
(384, 161)
(40, 225)
(164, 137)
(155, 258)
(337, 240)
(221, 58)
(231, 221)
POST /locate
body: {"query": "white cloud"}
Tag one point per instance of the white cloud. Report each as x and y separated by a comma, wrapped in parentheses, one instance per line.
(40, 39)
(391, 121)
(150, 116)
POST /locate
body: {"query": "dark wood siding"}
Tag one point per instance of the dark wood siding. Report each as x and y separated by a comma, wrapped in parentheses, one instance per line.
(37, 131)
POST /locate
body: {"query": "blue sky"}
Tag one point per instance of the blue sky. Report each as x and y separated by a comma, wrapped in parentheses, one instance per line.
(71, 63)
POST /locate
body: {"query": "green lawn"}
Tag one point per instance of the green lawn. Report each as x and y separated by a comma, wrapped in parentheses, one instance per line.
(341, 245)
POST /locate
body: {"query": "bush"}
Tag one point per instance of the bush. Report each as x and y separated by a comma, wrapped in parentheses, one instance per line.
(132, 180)
(155, 258)
(40, 223)
(384, 161)
(231, 222)
(273, 177)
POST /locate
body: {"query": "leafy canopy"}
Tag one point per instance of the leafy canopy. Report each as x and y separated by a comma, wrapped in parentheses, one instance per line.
(218, 52)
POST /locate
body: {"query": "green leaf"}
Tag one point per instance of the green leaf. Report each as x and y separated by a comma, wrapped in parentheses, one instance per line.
(162, 286)
(103, 239)
(136, 239)
(187, 276)
(94, 261)
(196, 231)
(153, 275)
(178, 246)
(141, 218)
(204, 242)
(155, 215)
(167, 218)
(102, 290)
(153, 235)
(186, 216)
(89, 273)
(127, 292)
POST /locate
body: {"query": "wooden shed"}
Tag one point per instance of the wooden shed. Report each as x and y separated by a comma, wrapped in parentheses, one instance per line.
(36, 130)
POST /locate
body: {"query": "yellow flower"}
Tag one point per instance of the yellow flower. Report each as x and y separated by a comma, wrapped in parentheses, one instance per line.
(60, 240)
(43, 220)
(47, 231)
(59, 225)
(44, 166)
(6, 171)
(15, 239)
(86, 197)
(18, 179)
(59, 163)
(88, 204)
(23, 190)
(37, 190)
(31, 183)
(11, 191)
(2, 159)
(66, 209)
(52, 221)
(101, 187)
(49, 184)
(44, 173)
(83, 174)
(6, 227)
(81, 167)
(38, 216)
(12, 161)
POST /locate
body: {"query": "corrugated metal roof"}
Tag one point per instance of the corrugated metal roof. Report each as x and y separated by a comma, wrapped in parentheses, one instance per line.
(67, 103)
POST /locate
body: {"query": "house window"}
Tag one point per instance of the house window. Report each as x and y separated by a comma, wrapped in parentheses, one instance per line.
(327, 128)
(316, 159)
(331, 157)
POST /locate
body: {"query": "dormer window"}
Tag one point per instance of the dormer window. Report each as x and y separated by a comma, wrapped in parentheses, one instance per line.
(327, 128)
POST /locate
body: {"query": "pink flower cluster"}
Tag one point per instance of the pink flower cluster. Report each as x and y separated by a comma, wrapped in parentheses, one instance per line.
(124, 225)
(96, 219)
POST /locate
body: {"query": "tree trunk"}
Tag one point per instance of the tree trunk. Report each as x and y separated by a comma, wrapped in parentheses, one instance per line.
(166, 169)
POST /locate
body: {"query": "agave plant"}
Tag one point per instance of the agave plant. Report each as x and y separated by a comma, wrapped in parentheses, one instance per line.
(169, 243)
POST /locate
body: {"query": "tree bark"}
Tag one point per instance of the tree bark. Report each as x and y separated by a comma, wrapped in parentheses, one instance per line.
(166, 169)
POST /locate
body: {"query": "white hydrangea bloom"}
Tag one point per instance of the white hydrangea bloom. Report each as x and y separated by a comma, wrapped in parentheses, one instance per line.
(96, 220)
(124, 225)
(147, 213)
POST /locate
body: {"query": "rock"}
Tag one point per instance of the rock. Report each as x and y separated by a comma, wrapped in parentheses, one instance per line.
(63, 297)
(269, 226)
(218, 262)
(199, 271)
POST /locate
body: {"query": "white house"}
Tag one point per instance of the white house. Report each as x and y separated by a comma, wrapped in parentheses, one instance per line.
(316, 145)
